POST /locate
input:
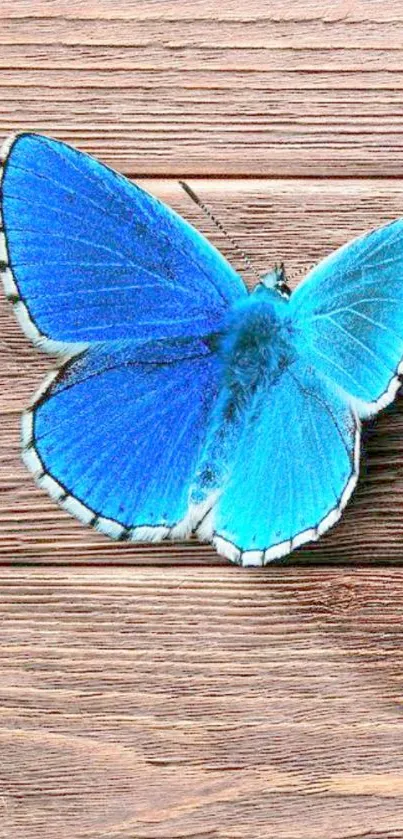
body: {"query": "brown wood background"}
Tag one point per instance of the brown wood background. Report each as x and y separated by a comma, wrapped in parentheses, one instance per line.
(157, 692)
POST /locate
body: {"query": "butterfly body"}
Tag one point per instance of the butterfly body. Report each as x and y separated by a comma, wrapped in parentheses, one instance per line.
(184, 404)
(257, 342)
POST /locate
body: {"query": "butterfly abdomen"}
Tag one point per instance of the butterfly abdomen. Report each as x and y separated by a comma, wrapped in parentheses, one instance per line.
(256, 348)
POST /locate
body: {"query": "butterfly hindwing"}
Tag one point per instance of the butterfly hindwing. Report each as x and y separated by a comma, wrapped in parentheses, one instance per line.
(291, 471)
(116, 435)
(87, 256)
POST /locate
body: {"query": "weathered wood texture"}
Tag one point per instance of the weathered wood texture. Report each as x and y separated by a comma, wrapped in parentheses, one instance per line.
(171, 703)
(296, 220)
(207, 702)
(303, 87)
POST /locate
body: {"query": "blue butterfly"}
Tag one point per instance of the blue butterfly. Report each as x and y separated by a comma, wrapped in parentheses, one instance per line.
(186, 404)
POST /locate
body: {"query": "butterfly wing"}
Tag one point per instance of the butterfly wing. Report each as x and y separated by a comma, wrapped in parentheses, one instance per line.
(98, 268)
(348, 315)
(289, 470)
(303, 443)
(115, 436)
(88, 256)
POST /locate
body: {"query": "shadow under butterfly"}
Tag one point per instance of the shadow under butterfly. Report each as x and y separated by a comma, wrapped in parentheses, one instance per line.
(185, 404)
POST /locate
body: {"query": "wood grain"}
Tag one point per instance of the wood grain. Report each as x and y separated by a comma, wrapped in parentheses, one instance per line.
(302, 88)
(201, 703)
(183, 697)
(298, 221)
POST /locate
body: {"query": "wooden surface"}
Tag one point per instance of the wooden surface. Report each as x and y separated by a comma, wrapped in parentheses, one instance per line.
(182, 703)
(295, 88)
(178, 696)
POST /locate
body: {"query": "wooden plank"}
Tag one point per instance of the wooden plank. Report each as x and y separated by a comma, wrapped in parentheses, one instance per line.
(165, 88)
(201, 703)
(297, 220)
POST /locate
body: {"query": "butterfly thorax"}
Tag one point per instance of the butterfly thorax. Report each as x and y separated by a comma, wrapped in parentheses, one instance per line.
(256, 346)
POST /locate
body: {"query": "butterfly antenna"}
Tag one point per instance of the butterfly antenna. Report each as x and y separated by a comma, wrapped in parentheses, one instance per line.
(219, 226)
(295, 276)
